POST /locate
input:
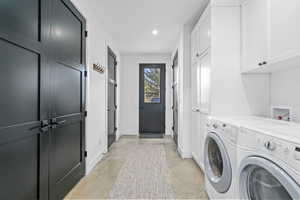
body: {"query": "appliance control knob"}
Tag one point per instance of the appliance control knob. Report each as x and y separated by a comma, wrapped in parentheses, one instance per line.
(270, 145)
(215, 126)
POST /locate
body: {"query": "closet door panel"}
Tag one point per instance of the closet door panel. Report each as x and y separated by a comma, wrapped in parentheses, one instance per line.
(67, 79)
(23, 77)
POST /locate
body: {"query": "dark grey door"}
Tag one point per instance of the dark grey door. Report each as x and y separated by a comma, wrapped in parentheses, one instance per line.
(42, 48)
(23, 102)
(152, 100)
(175, 98)
(112, 107)
(67, 77)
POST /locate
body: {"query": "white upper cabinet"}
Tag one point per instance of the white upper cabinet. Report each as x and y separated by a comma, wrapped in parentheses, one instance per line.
(200, 37)
(284, 29)
(270, 35)
(204, 32)
(254, 34)
(204, 82)
(194, 46)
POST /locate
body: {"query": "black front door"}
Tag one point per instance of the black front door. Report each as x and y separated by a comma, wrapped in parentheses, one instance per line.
(42, 48)
(175, 98)
(152, 100)
(112, 85)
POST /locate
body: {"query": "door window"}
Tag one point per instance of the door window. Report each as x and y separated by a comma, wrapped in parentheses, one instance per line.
(151, 85)
(263, 185)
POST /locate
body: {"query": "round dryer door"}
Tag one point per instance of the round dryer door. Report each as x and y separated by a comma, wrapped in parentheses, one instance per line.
(217, 163)
(262, 179)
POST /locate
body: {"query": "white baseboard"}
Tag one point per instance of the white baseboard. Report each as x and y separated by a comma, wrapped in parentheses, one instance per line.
(128, 132)
(93, 162)
(184, 154)
(197, 160)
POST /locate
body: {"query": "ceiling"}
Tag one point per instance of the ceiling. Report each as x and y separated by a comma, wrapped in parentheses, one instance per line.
(130, 22)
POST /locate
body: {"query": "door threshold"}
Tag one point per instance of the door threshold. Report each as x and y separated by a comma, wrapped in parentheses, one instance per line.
(151, 135)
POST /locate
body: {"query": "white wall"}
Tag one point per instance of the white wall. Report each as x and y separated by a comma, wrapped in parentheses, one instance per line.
(129, 91)
(97, 41)
(285, 91)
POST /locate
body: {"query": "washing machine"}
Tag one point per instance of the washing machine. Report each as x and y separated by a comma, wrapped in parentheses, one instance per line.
(268, 159)
(220, 160)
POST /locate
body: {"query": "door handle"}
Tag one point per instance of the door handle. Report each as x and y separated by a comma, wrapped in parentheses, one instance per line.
(43, 128)
(54, 123)
(196, 110)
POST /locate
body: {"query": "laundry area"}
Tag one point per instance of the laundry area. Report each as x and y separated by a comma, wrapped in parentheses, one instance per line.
(159, 99)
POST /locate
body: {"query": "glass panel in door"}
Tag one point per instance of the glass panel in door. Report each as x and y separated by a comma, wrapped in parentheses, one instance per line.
(151, 85)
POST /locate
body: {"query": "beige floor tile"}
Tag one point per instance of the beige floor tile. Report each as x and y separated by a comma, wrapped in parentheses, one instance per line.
(186, 178)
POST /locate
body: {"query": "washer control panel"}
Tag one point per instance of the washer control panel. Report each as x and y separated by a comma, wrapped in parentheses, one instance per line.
(225, 130)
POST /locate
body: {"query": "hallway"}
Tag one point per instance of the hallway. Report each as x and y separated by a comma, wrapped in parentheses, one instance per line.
(142, 168)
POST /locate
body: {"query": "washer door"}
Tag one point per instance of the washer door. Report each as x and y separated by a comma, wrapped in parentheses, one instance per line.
(261, 179)
(217, 163)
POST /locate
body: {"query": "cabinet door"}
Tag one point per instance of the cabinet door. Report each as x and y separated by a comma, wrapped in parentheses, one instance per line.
(285, 29)
(254, 33)
(205, 82)
(195, 97)
(202, 137)
(194, 44)
(204, 32)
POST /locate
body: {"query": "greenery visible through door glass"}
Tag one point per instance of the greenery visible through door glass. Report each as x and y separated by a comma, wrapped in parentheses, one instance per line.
(151, 85)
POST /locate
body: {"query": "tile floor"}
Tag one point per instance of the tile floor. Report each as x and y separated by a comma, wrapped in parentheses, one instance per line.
(185, 178)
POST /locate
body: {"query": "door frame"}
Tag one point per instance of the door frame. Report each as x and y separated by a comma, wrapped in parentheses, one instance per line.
(175, 64)
(141, 96)
(109, 50)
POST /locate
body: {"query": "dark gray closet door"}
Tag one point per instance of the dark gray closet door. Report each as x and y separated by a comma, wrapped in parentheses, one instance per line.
(67, 162)
(23, 102)
(112, 85)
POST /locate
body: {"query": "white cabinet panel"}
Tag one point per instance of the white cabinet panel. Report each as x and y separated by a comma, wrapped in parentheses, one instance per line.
(194, 45)
(204, 32)
(195, 105)
(205, 82)
(254, 33)
(285, 29)
(202, 137)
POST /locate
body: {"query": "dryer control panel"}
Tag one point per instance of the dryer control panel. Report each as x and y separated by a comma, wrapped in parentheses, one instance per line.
(287, 152)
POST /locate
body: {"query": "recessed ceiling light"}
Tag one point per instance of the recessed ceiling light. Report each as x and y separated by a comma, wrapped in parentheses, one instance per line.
(155, 32)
